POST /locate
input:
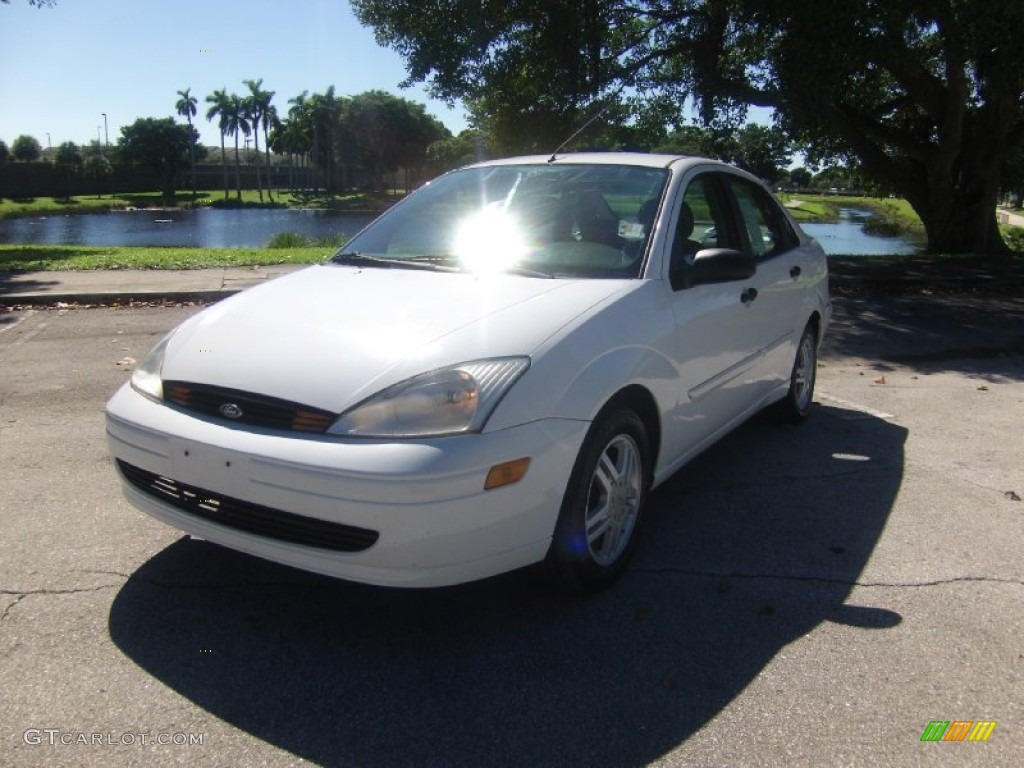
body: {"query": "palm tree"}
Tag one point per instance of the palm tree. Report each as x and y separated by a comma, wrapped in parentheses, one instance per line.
(324, 108)
(186, 107)
(220, 106)
(292, 137)
(259, 104)
(270, 121)
(237, 121)
(300, 120)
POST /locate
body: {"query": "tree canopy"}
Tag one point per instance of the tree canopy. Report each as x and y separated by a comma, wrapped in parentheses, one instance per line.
(924, 95)
(26, 149)
(365, 137)
(159, 143)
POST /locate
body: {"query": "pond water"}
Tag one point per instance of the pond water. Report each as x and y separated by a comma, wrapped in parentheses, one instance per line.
(847, 237)
(202, 228)
(212, 228)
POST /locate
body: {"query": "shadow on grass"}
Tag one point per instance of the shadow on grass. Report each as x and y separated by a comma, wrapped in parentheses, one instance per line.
(37, 257)
(363, 201)
(740, 559)
(233, 203)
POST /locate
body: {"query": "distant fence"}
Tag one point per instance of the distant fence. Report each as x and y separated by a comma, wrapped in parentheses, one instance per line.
(21, 180)
(40, 179)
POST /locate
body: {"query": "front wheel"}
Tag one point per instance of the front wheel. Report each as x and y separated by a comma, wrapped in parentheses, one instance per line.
(603, 504)
(797, 402)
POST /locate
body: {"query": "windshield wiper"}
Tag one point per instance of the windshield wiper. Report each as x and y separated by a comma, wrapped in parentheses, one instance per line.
(356, 259)
(437, 262)
(515, 269)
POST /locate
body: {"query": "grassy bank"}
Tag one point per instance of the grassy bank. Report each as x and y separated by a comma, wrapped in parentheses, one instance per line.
(72, 257)
(58, 206)
(893, 216)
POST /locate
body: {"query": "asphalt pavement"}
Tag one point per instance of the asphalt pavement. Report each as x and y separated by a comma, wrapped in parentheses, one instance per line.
(810, 596)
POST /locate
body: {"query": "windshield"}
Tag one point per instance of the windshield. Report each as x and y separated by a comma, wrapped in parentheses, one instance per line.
(565, 220)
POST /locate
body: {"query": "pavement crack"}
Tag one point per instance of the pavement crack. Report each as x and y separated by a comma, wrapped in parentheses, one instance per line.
(23, 593)
(829, 580)
(7, 610)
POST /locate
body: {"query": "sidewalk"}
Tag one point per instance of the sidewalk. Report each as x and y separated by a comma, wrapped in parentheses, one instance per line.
(849, 275)
(123, 286)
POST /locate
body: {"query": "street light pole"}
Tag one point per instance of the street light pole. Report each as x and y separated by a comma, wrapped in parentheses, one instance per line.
(48, 144)
(106, 136)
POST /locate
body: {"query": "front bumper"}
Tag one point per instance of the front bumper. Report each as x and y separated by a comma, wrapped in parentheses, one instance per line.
(424, 498)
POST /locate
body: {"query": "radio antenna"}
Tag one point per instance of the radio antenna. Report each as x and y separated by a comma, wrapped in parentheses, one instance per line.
(586, 125)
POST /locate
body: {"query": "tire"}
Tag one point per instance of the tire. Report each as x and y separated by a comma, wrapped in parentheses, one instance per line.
(795, 406)
(603, 505)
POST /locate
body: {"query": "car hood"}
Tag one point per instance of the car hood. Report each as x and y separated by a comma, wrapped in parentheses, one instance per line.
(330, 336)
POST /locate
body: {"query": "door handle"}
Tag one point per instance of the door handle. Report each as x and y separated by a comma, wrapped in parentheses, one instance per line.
(794, 272)
(748, 295)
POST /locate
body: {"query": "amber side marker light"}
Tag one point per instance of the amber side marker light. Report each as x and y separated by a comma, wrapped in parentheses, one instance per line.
(506, 473)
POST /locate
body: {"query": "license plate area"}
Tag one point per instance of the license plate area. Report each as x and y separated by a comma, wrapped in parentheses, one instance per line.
(214, 469)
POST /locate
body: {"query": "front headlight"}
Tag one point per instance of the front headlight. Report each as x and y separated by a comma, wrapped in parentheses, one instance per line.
(146, 378)
(448, 401)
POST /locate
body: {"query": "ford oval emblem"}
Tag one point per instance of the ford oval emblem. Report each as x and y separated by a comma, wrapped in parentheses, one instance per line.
(230, 411)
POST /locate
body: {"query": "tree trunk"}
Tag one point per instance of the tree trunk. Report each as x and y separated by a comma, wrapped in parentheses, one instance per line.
(238, 171)
(224, 164)
(167, 184)
(266, 150)
(192, 159)
(958, 206)
(256, 140)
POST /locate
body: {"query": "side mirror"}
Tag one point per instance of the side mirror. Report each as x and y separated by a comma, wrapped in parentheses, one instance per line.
(714, 265)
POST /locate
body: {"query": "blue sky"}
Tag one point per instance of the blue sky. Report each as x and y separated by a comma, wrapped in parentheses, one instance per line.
(61, 68)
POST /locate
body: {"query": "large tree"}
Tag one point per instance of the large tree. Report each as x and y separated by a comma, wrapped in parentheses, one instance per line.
(924, 95)
(67, 164)
(160, 144)
(756, 148)
(389, 133)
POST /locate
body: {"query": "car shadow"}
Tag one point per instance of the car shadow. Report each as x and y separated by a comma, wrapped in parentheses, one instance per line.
(748, 548)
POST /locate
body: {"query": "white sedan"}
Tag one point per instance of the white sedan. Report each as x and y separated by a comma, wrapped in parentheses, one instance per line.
(494, 373)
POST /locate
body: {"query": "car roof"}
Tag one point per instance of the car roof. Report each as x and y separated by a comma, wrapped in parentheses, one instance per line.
(605, 158)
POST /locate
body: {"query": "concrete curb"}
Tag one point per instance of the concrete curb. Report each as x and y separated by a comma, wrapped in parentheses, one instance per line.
(117, 297)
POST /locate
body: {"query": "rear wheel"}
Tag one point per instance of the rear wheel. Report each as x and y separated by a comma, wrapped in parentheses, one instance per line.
(604, 502)
(797, 403)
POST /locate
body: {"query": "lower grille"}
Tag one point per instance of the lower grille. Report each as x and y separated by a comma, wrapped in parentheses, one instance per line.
(251, 518)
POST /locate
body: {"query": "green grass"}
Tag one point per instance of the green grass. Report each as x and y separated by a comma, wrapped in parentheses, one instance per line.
(75, 257)
(49, 206)
(893, 216)
(1013, 237)
(299, 240)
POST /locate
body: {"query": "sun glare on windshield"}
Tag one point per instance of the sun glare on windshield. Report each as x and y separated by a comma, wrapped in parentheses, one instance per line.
(489, 240)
